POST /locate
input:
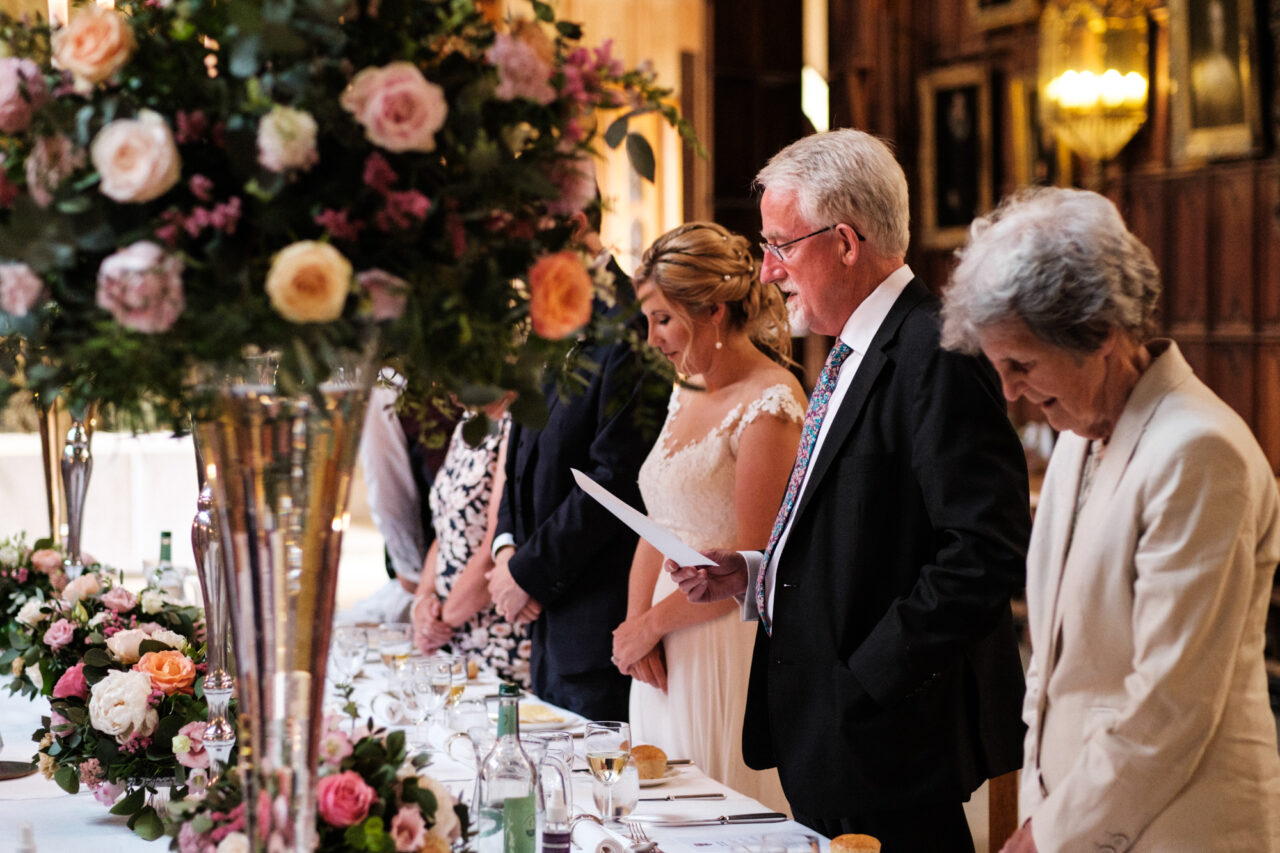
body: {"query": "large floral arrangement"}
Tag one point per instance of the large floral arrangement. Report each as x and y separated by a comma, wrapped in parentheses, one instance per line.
(185, 179)
(371, 796)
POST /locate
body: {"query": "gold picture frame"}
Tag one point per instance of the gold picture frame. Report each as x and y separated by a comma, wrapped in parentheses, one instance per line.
(989, 14)
(1038, 158)
(1215, 105)
(955, 152)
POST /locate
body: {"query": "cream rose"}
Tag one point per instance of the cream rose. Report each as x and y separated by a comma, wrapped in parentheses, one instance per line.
(308, 282)
(31, 615)
(399, 109)
(152, 601)
(123, 645)
(172, 639)
(119, 706)
(136, 157)
(94, 44)
(86, 584)
(447, 824)
(287, 140)
(235, 842)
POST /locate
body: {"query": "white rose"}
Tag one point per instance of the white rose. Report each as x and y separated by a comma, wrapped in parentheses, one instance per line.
(36, 677)
(31, 614)
(123, 645)
(85, 585)
(9, 554)
(100, 617)
(137, 158)
(235, 842)
(171, 639)
(119, 706)
(152, 601)
(287, 140)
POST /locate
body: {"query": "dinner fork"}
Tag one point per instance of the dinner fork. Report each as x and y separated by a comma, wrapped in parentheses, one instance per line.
(640, 842)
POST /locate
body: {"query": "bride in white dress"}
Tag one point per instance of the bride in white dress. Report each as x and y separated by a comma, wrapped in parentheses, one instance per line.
(715, 477)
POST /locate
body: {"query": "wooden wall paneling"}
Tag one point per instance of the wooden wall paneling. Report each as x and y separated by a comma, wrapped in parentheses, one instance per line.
(1231, 375)
(1230, 244)
(1266, 425)
(1267, 240)
(1186, 278)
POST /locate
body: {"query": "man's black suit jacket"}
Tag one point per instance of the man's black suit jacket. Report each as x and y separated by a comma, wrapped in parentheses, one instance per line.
(892, 677)
(571, 554)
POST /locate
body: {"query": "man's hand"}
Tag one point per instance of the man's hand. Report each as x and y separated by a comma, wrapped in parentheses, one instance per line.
(430, 632)
(1021, 841)
(508, 596)
(704, 584)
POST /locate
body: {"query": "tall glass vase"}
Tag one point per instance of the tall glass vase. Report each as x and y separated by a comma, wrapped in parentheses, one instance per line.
(77, 467)
(279, 461)
(206, 545)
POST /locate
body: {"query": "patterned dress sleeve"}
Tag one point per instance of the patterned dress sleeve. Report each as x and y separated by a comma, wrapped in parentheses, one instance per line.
(777, 400)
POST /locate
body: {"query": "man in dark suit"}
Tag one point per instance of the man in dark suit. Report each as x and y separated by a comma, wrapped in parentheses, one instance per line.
(885, 683)
(560, 558)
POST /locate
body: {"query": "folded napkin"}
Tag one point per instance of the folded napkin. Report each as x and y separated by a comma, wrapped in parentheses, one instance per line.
(594, 838)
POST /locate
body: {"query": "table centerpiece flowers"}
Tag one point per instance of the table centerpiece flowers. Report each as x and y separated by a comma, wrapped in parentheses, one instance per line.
(372, 795)
(185, 180)
(29, 575)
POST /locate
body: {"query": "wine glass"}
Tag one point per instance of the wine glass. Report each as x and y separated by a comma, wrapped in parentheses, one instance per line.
(348, 650)
(418, 699)
(608, 748)
(459, 683)
(395, 644)
(439, 674)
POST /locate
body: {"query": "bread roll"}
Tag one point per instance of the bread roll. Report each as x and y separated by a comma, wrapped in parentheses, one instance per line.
(651, 762)
(854, 842)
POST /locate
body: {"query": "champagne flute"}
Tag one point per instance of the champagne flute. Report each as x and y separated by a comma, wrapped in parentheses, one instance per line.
(459, 664)
(608, 748)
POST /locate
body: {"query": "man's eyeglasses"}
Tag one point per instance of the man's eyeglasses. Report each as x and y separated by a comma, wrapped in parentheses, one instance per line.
(776, 249)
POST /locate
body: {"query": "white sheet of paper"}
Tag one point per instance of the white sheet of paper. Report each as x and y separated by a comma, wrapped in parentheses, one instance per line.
(667, 543)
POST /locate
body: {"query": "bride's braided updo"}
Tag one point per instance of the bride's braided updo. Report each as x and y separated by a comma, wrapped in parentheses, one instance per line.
(701, 264)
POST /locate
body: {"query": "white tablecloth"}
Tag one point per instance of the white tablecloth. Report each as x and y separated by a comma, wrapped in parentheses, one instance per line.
(68, 823)
(140, 485)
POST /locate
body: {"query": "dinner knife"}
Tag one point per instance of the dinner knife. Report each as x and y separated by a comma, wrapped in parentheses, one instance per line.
(670, 797)
(674, 762)
(724, 820)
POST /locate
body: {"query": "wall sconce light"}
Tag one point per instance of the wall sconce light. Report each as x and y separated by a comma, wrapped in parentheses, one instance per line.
(1093, 73)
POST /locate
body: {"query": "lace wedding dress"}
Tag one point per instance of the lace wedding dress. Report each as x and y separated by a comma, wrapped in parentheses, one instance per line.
(689, 490)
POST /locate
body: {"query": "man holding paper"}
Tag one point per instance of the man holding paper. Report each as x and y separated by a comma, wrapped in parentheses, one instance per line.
(885, 682)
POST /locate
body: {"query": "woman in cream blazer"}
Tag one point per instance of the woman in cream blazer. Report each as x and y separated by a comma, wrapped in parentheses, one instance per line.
(1153, 552)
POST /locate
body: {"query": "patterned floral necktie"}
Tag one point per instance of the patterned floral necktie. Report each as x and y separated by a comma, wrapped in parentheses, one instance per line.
(818, 403)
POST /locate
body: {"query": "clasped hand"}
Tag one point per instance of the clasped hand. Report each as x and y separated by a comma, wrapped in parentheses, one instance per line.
(512, 602)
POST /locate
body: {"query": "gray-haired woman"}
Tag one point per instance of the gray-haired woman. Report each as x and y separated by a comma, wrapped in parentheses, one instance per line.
(1153, 551)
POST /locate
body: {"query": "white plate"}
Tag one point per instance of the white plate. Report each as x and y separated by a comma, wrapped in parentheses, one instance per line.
(671, 773)
(560, 722)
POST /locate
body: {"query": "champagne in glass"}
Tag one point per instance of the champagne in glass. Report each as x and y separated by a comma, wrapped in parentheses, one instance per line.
(395, 644)
(608, 748)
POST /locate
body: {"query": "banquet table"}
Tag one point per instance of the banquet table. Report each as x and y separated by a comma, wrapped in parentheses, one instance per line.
(63, 822)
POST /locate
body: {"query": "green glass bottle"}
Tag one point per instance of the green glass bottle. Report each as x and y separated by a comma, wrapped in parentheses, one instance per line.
(507, 787)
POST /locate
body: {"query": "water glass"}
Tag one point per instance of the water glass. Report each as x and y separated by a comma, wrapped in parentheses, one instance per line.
(468, 713)
(348, 648)
(395, 644)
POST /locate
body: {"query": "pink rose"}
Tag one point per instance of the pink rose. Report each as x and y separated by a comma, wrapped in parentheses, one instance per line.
(94, 44)
(191, 738)
(119, 599)
(52, 160)
(287, 140)
(22, 91)
(59, 725)
(136, 157)
(142, 287)
(20, 291)
(399, 109)
(576, 180)
(387, 292)
(108, 792)
(408, 829)
(59, 634)
(47, 560)
(72, 684)
(522, 72)
(334, 746)
(344, 798)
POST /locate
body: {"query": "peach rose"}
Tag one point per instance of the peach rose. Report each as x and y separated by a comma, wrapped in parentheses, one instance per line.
(47, 560)
(85, 585)
(560, 302)
(308, 282)
(170, 672)
(399, 109)
(94, 44)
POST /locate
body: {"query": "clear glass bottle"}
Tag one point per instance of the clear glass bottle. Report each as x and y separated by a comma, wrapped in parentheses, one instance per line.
(507, 786)
(556, 831)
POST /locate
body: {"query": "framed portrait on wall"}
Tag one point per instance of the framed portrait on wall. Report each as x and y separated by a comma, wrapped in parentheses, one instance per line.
(1214, 105)
(955, 152)
(989, 14)
(1037, 158)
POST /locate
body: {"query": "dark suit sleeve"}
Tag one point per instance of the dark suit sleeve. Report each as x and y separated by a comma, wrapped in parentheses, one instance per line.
(971, 474)
(580, 536)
